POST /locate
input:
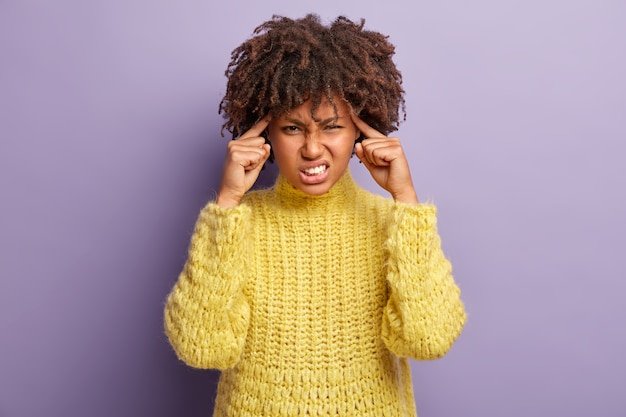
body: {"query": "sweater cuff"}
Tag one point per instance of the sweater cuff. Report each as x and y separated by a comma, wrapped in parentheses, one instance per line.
(414, 216)
(227, 224)
(412, 230)
(219, 246)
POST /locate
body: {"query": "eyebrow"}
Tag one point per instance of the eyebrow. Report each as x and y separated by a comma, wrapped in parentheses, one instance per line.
(321, 122)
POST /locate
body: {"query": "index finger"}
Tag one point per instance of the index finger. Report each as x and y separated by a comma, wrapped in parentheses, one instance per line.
(366, 129)
(258, 128)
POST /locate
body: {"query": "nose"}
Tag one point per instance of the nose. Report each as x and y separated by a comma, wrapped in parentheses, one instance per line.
(312, 148)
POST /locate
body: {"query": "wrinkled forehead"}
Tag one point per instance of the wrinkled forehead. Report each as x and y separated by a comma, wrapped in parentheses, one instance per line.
(323, 109)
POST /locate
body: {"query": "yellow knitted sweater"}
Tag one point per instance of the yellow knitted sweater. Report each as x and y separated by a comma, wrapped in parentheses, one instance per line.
(310, 305)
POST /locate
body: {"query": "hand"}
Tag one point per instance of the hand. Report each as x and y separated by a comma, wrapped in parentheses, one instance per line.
(244, 160)
(384, 158)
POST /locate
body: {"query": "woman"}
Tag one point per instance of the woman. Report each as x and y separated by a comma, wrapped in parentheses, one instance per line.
(311, 296)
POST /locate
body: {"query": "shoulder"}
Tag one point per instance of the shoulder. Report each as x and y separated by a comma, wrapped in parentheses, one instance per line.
(372, 199)
(372, 204)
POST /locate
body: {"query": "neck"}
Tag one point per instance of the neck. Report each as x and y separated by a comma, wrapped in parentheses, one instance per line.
(341, 193)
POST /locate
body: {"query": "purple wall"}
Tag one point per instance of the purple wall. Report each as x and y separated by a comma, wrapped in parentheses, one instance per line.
(109, 146)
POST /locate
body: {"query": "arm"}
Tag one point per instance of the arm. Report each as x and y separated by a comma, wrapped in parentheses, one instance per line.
(207, 315)
(424, 314)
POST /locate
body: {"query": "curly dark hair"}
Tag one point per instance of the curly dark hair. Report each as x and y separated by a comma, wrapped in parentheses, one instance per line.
(287, 62)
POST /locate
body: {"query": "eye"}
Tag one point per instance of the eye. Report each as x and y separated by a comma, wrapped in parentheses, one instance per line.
(290, 129)
(332, 127)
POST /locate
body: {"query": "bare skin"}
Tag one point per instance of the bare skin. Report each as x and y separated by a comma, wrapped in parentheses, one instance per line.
(243, 163)
(386, 161)
(383, 157)
(313, 153)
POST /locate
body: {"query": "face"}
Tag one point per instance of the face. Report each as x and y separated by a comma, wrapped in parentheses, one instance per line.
(312, 155)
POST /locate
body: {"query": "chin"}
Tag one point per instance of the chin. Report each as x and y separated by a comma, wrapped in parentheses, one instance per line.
(314, 190)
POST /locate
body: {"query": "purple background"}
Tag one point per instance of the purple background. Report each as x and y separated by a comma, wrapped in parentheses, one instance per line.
(110, 144)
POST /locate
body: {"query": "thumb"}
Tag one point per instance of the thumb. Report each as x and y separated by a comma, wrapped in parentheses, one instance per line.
(259, 165)
(358, 150)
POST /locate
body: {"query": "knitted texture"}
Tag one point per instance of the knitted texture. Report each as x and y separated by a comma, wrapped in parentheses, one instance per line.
(311, 304)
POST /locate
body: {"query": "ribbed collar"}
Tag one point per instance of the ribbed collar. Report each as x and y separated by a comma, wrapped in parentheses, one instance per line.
(342, 194)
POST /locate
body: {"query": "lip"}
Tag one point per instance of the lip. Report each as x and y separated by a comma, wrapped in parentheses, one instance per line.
(314, 179)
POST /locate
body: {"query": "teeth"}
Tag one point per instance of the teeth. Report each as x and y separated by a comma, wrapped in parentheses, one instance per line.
(315, 171)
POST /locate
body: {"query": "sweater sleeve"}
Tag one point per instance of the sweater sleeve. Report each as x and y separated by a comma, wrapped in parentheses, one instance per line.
(424, 313)
(207, 315)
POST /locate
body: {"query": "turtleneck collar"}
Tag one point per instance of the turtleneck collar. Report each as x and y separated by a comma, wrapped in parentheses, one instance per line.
(343, 192)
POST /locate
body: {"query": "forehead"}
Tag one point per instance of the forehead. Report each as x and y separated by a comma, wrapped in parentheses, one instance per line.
(325, 110)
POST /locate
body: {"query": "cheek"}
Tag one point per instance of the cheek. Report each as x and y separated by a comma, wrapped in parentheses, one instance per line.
(343, 150)
(283, 150)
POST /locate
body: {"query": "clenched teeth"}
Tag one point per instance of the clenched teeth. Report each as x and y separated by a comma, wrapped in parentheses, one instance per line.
(315, 171)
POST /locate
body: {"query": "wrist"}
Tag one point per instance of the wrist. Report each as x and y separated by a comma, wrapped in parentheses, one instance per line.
(226, 200)
(408, 197)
